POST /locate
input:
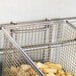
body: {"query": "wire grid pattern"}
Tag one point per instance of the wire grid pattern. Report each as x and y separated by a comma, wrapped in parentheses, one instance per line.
(65, 32)
(65, 54)
(31, 35)
(34, 36)
(38, 54)
(12, 57)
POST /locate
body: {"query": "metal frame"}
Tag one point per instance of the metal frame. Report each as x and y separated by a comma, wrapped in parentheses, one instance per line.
(40, 46)
(22, 52)
(38, 21)
(51, 21)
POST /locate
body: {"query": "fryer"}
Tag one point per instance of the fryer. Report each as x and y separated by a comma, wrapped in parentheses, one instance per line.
(26, 43)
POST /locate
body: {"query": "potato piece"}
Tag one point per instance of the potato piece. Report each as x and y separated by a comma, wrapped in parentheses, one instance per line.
(60, 73)
(55, 66)
(40, 65)
(50, 74)
(68, 74)
(13, 71)
(26, 70)
(25, 67)
(63, 75)
(48, 70)
(22, 73)
(31, 72)
(7, 71)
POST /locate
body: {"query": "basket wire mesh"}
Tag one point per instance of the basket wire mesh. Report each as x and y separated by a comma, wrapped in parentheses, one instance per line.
(37, 41)
(14, 56)
(65, 51)
(34, 37)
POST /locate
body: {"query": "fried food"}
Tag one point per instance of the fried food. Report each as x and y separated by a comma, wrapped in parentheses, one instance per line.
(48, 69)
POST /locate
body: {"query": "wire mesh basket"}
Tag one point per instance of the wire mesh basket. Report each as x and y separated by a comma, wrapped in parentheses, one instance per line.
(54, 42)
(15, 57)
